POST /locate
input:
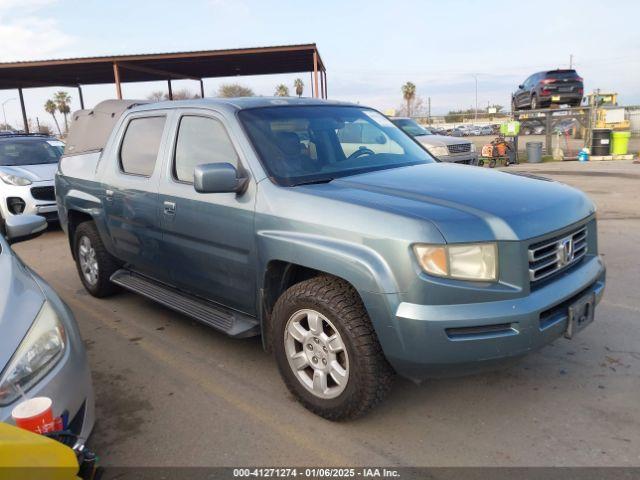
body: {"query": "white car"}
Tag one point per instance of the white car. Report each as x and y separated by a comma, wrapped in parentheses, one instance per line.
(28, 164)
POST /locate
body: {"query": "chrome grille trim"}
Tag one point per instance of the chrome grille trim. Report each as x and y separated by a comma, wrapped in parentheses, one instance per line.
(551, 256)
(459, 148)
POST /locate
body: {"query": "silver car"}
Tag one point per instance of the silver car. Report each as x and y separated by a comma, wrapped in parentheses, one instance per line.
(28, 164)
(444, 148)
(41, 352)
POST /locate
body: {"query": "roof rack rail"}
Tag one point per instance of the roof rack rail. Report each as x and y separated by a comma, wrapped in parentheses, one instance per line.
(24, 134)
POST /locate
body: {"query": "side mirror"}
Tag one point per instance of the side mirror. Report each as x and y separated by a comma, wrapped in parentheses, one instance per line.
(19, 228)
(218, 178)
(521, 86)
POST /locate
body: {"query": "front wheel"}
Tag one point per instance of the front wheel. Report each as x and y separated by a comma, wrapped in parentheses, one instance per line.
(95, 265)
(327, 351)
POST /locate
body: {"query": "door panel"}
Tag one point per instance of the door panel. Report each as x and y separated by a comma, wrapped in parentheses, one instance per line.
(131, 200)
(208, 240)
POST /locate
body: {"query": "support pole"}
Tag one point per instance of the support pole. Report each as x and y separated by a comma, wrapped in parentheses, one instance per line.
(326, 90)
(315, 74)
(116, 76)
(170, 90)
(321, 84)
(24, 111)
(201, 89)
(80, 97)
(548, 139)
(311, 82)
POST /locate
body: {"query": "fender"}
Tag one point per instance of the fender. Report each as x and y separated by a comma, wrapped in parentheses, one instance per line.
(358, 264)
(364, 268)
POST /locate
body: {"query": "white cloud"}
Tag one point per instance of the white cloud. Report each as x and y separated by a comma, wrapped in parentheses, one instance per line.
(25, 35)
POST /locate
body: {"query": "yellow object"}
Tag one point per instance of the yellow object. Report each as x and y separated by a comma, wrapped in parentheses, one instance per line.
(28, 456)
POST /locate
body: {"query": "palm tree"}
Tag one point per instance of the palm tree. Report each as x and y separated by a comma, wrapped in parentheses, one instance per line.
(63, 102)
(408, 93)
(282, 90)
(299, 86)
(50, 107)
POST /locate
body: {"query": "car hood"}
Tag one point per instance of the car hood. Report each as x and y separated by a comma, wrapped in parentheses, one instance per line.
(35, 173)
(20, 301)
(467, 203)
(440, 140)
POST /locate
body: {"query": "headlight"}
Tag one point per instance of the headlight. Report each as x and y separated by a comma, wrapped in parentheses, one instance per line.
(438, 151)
(39, 352)
(473, 147)
(473, 261)
(15, 180)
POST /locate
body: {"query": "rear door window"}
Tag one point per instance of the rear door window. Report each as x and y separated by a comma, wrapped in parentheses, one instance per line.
(140, 145)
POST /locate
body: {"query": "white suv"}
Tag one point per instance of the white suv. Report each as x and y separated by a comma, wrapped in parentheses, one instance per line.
(28, 164)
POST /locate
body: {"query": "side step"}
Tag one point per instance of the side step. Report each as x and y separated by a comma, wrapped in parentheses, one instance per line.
(234, 324)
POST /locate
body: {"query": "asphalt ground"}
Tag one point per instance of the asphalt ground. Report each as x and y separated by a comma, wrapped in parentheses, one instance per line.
(171, 392)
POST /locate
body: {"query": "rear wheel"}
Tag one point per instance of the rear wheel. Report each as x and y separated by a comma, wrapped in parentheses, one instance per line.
(534, 102)
(95, 265)
(327, 351)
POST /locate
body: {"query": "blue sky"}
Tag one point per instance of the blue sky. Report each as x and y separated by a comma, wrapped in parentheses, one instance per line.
(370, 47)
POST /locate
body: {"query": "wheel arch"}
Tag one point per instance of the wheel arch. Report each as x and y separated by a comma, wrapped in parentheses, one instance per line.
(289, 258)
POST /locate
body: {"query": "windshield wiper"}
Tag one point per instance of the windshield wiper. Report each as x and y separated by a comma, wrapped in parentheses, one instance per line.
(313, 182)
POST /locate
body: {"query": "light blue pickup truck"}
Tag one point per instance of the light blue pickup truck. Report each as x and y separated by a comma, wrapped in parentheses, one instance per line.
(267, 216)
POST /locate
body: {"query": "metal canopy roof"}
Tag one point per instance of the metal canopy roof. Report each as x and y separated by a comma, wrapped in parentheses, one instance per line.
(160, 66)
(118, 69)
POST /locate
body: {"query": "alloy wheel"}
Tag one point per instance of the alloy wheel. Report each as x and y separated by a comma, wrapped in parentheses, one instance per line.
(88, 260)
(316, 353)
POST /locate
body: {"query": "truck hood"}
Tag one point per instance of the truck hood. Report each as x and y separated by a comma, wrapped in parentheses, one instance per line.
(440, 140)
(467, 203)
(20, 301)
(35, 173)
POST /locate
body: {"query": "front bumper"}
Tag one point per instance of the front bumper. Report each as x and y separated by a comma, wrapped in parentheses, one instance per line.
(446, 340)
(69, 383)
(465, 158)
(46, 208)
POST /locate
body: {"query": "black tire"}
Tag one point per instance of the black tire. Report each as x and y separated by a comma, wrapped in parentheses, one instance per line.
(534, 102)
(369, 374)
(106, 263)
(492, 163)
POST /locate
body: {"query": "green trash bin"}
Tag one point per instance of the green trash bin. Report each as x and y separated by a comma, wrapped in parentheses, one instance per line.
(620, 143)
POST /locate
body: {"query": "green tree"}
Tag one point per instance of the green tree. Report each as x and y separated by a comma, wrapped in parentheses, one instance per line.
(282, 90)
(408, 93)
(230, 90)
(299, 86)
(63, 102)
(51, 108)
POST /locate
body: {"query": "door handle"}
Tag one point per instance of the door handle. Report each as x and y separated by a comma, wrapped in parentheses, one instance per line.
(169, 208)
(108, 195)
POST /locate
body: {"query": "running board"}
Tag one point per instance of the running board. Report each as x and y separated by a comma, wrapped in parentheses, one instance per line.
(234, 324)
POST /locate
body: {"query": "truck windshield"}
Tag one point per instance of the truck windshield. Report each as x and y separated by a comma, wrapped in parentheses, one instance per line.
(28, 151)
(411, 127)
(314, 144)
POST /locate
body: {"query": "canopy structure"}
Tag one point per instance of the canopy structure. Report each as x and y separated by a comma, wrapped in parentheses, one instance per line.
(75, 72)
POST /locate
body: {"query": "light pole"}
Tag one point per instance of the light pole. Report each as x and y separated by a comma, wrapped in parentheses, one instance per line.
(475, 76)
(4, 114)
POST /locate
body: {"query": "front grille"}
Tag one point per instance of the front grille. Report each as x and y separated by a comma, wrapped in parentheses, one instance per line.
(459, 148)
(553, 255)
(44, 193)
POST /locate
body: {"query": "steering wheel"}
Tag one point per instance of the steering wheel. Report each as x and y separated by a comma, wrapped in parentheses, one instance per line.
(361, 151)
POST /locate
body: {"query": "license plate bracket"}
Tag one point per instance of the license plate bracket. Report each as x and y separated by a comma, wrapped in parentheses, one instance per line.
(581, 314)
